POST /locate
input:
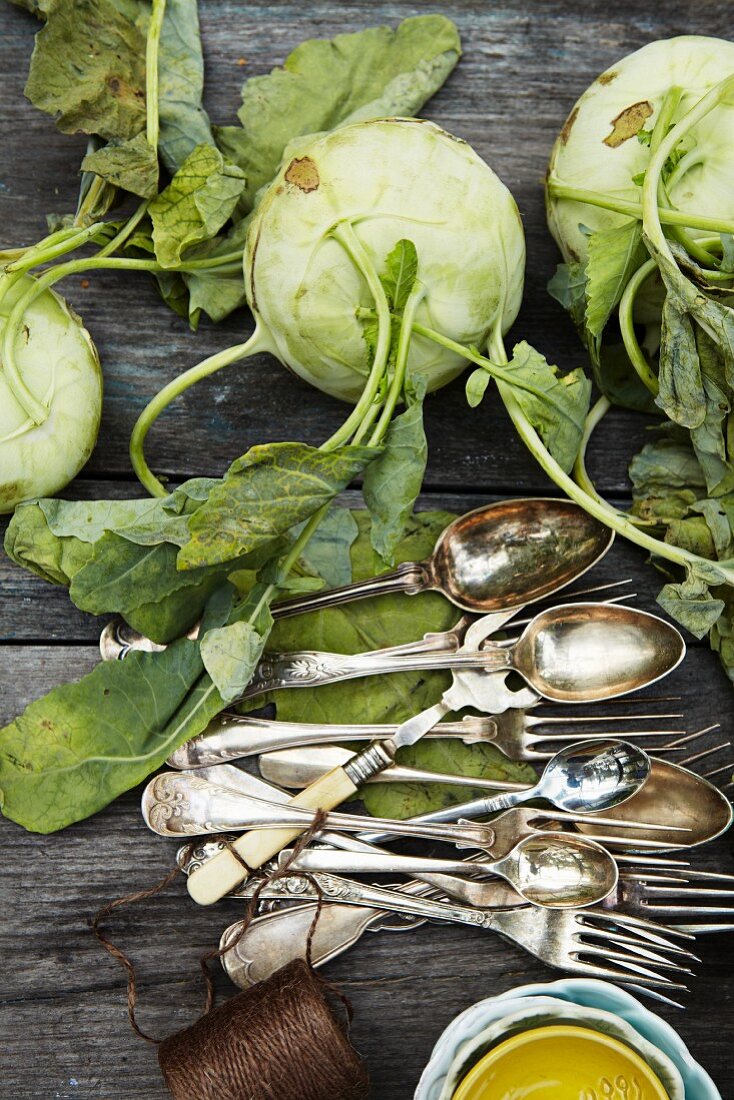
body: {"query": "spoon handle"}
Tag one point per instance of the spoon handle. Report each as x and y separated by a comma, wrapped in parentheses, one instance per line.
(411, 577)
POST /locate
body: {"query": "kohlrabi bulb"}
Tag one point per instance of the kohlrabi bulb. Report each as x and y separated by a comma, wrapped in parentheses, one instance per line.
(392, 179)
(59, 366)
(598, 148)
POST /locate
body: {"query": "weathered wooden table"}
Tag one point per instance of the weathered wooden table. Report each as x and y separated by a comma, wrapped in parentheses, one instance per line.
(64, 1031)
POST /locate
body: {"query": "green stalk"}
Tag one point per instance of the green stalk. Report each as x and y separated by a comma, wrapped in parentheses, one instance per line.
(636, 355)
(345, 235)
(152, 114)
(169, 393)
(401, 363)
(668, 216)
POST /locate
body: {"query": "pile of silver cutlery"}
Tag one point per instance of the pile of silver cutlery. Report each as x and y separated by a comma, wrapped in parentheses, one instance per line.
(581, 884)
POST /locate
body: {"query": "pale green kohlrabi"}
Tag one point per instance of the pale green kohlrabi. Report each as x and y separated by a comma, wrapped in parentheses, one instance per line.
(50, 395)
(389, 180)
(316, 252)
(640, 198)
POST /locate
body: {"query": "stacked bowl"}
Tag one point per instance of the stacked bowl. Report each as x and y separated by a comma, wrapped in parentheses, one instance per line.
(573, 1039)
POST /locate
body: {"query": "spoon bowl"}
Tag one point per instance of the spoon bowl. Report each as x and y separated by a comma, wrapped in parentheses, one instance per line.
(678, 798)
(515, 552)
(595, 775)
(548, 871)
(584, 652)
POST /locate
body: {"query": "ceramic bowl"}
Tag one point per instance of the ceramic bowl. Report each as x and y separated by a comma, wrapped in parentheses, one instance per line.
(573, 1062)
(534, 1015)
(585, 992)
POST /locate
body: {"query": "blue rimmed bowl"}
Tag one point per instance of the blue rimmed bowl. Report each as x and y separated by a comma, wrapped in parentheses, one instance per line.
(578, 991)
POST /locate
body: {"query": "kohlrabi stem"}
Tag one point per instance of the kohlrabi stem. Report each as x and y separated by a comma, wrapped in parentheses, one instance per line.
(401, 362)
(595, 505)
(169, 393)
(493, 366)
(152, 116)
(125, 232)
(668, 216)
(651, 214)
(52, 247)
(594, 416)
(348, 239)
(636, 355)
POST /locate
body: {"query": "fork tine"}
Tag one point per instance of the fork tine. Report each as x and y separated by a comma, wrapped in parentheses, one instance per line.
(642, 976)
(700, 755)
(679, 865)
(616, 974)
(688, 891)
(636, 959)
(654, 995)
(649, 930)
(716, 771)
(634, 941)
(698, 733)
(626, 841)
(691, 910)
(598, 819)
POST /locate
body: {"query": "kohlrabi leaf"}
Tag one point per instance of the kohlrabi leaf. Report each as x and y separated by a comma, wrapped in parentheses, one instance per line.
(265, 493)
(328, 551)
(692, 605)
(614, 256)
(217, 291)
(568, 287)
(375, 73)
(401, 271)
(681, 394)
(88, 69)
(555, 404)
(230, 655)
(184, 123)
(476, 386)
(73, 751)
(393, 481)
(131, 165)
(403, 800)
(196, 204)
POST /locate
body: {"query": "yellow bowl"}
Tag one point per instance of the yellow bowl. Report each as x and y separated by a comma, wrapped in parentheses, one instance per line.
(564, 1062)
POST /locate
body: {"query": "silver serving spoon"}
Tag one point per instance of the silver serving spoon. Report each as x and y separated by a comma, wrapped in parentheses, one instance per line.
(552, 870)
(501, 556)
(583, 778)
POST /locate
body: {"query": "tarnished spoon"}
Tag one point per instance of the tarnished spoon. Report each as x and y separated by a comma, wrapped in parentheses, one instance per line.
(498, 557)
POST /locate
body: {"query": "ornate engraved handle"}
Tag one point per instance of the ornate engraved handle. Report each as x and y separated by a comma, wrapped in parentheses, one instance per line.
(411, 577)
(175, 804)
(232, 736)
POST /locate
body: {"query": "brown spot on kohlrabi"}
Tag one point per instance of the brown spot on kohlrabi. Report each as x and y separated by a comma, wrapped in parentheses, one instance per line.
(568, 126)
(628, 123)
(608, 77)
(303, 174)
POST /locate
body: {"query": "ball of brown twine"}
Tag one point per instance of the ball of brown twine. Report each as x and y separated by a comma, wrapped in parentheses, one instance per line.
(278, 1040)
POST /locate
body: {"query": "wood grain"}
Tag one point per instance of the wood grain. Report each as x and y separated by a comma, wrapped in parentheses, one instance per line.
(62, 1013)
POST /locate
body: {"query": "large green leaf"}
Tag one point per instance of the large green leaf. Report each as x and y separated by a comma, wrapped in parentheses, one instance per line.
(73, 751)
(393, 481)
(196, 204)
(88, 69)
(184, 123)
(614, 256)
(375, 73)
(263, 494)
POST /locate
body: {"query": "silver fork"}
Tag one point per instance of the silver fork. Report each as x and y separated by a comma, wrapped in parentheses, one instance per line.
(233, 736)
(590, 943)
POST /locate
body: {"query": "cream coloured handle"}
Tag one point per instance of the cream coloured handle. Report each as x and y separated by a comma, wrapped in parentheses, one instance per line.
(223, 873)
